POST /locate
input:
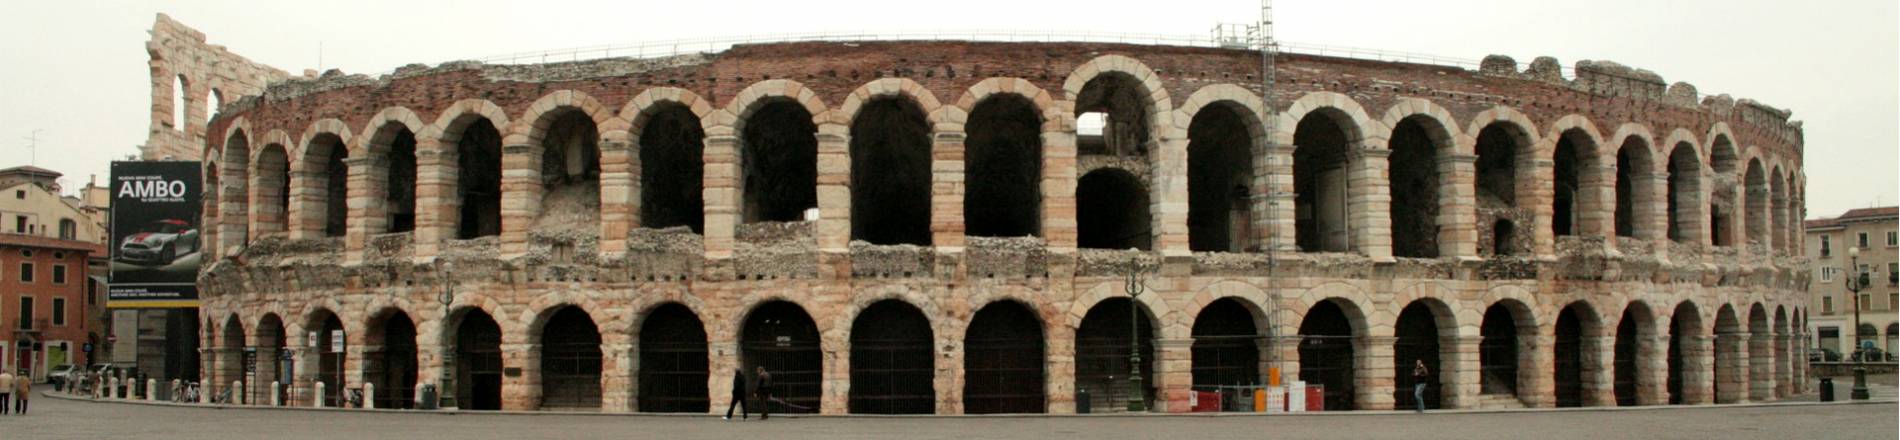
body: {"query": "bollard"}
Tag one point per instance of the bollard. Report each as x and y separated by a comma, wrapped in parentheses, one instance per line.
(178, 390)
(317, 397)
(369, 395)
(112, 386)
(237, 392)
(151, 385)
(276, 394)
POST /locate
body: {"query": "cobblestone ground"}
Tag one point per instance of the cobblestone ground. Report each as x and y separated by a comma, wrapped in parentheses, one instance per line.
(54, 418)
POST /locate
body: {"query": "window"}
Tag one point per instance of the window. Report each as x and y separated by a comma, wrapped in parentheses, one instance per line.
(1865, 300)
(19, 194)
(59, 274)
(26, 272)
(68, 229)
(59, 312)
(1863, 240)
(26, 313)
(1893, 238)
(19, 224)
(1827, 246)
(1893, 301)
(1827, 273)
(1827, 305)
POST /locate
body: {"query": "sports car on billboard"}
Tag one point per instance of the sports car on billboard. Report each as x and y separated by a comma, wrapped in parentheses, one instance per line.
(160, 242)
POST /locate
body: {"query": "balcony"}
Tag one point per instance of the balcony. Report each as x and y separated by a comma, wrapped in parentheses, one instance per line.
(34, 326)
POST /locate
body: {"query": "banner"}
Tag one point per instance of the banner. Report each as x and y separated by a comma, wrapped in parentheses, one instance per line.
(156, 234)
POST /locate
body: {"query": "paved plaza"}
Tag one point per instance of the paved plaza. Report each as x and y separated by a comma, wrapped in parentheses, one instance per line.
(56, 418)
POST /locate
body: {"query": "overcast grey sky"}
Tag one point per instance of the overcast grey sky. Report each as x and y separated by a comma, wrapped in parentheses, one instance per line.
(77, 69)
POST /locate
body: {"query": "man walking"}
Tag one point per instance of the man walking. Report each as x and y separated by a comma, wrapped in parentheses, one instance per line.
(739, 394)
(6, 391)
(1420, 375)
(22, 389)
(764, 391)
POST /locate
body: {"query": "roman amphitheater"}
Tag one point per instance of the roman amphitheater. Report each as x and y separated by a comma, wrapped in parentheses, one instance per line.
(963, 227)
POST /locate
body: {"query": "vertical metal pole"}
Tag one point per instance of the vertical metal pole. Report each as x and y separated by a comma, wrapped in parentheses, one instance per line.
(1269, 49)
(1136, 399)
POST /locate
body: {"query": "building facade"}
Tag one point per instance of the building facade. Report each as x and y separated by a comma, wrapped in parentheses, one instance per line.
(45, 300)
(1876, 232)
(920, 227)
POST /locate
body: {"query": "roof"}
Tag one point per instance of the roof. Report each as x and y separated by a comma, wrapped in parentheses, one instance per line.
(35, 241)
(1885, 212)
(29, 169)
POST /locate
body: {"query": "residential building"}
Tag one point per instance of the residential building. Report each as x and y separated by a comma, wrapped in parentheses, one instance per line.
(1876, 231)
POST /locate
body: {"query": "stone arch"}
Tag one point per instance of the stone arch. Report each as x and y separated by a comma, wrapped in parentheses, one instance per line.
(377, 134)
(1441, 126)
(1522, 128)
(613, 327)
(1575, 180)
(540, 116)
(1721, 145)
(1342, 109)
(1253, 297)
(1686, 188)
(903, 88)
(757, 95)
(1351, 299)
(1167, 323)
(270, 187)
(449, 125)
(1045, 104)
(1422, 139)
(1160, 106)
(1219, 188)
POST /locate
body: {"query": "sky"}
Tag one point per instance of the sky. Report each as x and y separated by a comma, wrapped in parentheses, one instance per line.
(75, 76)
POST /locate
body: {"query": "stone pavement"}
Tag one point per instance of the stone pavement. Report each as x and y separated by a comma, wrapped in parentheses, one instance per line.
(57, 418)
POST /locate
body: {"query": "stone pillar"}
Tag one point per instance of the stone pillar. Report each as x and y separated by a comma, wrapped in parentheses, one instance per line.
(265, 374)
(1536, 195)
(1731, 367)
(1652, 365)
(1168, 196)
(1650, 206)
(948, 380)
(1692, 216)
(1369, 205)
(1459, 371)
(1173, 375)
(1058, 195)
(367, 189)
(947, 186)
(1800, 378)
(617, 377)
(834, 396)
(834, 190)
(723, 360)
(1596, 200)
(722, 191)
(233, 209)
(1598, 360)
(304, 220)
(1761, 367)
(1537, 367)
(521, 392)
(619, 194)
(1698, 370)
(305, 360)
(1059, 382)
(1372, 372)
(1784, 367)
(1457, 206)
(520, 197)
(438, 207)
(1281, 228)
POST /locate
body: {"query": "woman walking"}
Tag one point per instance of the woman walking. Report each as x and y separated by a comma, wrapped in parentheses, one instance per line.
(22, 386)
(1420, 375)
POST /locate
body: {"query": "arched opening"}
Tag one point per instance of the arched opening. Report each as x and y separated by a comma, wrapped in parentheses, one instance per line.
(672, 148)
(1120, 103)
(271, 368)
(1685, 194)
(1761, 361)
(1417, 341)
(213, 102)
(893, 365)
(1111, 211)
(570, 175)
(478, 180)
(330, 357)
(1632, 336)
(1220, 180)
(394, 368)
(231, 340)
(1003, 361)
(1498, 354)
(1003, 168)
(570, 361)
(397, 170)
(1684, 324)
(1568, 351)
(890, 173)
(1893, 337)
(478, 361)
(273, 184)
(1226, 350)
(180, 102)
(1784, 370)
(1102, 350)
(1633, 161)
(1722, 203)
(1778, 209)
(237, 168)
(1755, 203)
(1326, 354)
(1503, 238)
(1414, 181)
(780, 159)
(1730, 357)
(326, 180)
(1320, 176)
(781, 338)
(1567, 194)
(673, 361)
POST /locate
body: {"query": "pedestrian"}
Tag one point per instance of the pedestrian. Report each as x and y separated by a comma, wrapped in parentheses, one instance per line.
(6, 391)
(1420, 375)
(739, 393)
(22, 389)
(763, 388)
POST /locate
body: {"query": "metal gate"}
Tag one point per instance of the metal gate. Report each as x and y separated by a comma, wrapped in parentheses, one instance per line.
(478, 363)
(1568, 360)
(782, 338)
(673, 363)
(1102, 356)
(570, 361)
(893, 374)
(1497, 353)
(397, 386)
(1405, 352)
(1003, 362)
(1328, 361)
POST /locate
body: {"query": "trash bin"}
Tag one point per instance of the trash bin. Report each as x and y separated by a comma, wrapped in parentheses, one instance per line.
(1082, 402)
(427, 398)
(1827, 389)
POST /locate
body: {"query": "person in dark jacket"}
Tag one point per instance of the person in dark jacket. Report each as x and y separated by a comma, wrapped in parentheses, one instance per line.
(1420, 375)
(739, 393)
(764, 391)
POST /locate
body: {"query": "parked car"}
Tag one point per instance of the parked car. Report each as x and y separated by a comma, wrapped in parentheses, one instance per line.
(1824, 355)
(1869, 355)
(63, 375)
(159, 243)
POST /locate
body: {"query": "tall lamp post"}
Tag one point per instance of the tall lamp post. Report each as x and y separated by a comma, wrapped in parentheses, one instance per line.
(1137, 401)
(1855, 283)
(446, 376)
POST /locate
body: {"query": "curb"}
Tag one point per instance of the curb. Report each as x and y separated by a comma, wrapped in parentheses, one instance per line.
(63, 396)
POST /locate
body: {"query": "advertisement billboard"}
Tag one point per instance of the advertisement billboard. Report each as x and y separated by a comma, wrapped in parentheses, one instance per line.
(156, 234)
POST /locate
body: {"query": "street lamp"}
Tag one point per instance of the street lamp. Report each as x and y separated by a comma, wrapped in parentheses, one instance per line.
(1136, 401)
(1855, 283)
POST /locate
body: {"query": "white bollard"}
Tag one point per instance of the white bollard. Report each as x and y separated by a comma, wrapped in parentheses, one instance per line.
(178, 390)
(112, 385)
(237, 392)
(151, 385)
(276, 394)
(369, 395)
(317, 398)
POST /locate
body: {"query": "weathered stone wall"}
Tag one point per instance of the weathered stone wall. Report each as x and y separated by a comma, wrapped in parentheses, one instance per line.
(180, 52)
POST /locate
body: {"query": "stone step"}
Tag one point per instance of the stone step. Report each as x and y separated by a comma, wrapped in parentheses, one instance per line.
(1499, 401)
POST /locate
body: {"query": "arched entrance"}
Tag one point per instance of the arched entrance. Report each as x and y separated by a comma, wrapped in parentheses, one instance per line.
(478, 361)
(330, 357)
(1414, 180)
(1684, 325)
(478, 179)
(1631, 352)
(893, 365)
(271, 367)
(1498, 350)
(779, 155)
(890, 173)
(1102, 349)
(1003, 168)
(1418, 333)
(673, 361)
(672, 167)
(1003, 361)
(1220, 179)
(1327, 354)
(231, 357)
(1226, 349)
(1568, 355)
(393, 369)
(1320, 175)
(570, 361)
(1730, 357)
(779, 336)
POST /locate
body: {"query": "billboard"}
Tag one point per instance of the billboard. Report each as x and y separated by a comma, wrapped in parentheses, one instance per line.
(156, 234)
